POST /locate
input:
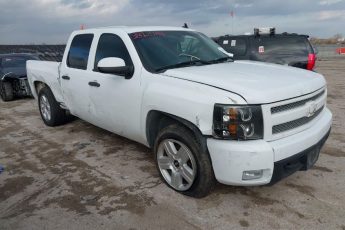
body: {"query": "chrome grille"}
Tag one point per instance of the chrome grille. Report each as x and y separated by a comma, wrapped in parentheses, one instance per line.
(296, 104)
(295, 123)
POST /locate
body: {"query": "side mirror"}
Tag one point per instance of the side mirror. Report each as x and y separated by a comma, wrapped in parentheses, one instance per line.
(116, 66)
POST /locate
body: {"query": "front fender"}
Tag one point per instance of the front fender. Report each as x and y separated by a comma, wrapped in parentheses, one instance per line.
(188, 100)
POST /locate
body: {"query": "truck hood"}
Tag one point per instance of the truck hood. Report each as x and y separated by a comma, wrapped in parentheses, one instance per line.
(256, 82)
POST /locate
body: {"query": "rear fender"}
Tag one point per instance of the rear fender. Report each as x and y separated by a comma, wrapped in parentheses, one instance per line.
(47, 73)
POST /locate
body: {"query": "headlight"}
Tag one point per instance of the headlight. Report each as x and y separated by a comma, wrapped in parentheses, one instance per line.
(238, 122)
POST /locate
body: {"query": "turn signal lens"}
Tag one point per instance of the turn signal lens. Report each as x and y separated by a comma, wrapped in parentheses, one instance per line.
(232, 129)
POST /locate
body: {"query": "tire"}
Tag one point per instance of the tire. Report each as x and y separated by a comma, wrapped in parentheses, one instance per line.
(197, 173)
(51, 112)
(6, 91)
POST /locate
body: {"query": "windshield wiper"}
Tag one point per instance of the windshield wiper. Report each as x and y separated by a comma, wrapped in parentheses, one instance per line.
(182, 64)
(190, 63)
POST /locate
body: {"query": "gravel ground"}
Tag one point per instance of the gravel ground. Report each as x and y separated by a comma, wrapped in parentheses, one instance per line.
(78, 176)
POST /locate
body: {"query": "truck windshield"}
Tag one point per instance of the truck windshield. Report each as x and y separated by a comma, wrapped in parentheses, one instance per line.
(162, 50)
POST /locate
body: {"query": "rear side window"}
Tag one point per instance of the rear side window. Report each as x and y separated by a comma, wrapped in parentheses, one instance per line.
(281, 46)
(236, 46)
(111, 45)
(79, 51)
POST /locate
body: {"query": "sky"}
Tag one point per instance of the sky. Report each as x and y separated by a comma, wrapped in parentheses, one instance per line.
(51, 21)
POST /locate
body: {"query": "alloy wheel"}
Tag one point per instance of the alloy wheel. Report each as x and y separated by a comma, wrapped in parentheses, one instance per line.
(45, 108)
(176, 164)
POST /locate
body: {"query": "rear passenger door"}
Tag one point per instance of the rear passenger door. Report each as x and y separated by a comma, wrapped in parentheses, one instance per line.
(73, 76)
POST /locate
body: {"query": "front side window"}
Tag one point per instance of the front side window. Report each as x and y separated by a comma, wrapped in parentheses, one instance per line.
(79, 51)
(161, 50)
(111, 45)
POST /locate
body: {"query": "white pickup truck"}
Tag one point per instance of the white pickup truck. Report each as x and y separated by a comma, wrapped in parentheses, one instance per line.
(208, 118)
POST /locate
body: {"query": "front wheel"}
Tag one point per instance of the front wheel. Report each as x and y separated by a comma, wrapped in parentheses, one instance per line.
(182, 162)
(6, 91)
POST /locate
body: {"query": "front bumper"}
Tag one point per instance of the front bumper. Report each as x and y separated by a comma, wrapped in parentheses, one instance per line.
(277, 159)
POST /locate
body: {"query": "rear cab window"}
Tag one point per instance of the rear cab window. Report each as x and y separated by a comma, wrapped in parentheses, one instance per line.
(78, 54)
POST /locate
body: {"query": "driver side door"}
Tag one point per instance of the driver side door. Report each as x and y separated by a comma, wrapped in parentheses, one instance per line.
(115, 101)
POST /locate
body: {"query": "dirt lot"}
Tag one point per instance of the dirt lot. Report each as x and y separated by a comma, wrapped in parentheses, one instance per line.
(78, 176)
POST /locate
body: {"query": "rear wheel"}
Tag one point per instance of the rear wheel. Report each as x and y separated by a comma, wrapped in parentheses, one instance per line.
(6, 91)
(51, 112)
(182, 162)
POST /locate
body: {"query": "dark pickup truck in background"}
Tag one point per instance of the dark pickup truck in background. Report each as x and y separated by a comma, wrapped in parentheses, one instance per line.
(13, 79)
(267, 46)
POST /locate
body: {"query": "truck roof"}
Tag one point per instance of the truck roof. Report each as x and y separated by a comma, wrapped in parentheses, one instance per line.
(285, 34)
(133, 29)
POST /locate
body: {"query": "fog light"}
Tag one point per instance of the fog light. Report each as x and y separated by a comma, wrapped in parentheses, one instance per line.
(253, 174)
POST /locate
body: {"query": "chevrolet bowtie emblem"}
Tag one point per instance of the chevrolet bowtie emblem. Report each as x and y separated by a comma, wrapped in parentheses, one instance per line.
(312, 109)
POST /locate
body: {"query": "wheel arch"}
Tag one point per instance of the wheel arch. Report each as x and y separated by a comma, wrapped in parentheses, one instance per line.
(157, 120)
(38, 85)
(204, 180)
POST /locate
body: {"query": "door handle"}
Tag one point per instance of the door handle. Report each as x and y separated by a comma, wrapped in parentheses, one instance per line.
(65, 77)
(94, 84)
